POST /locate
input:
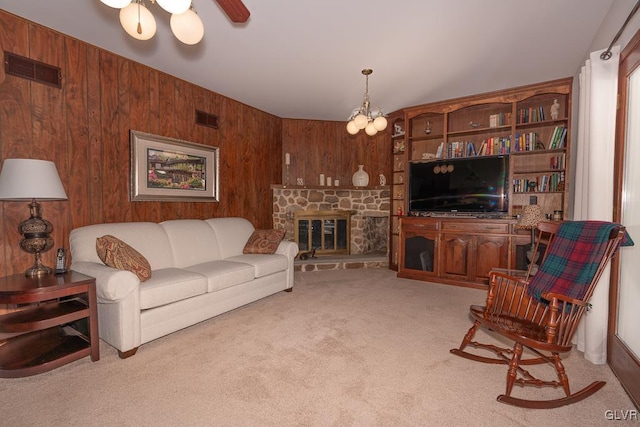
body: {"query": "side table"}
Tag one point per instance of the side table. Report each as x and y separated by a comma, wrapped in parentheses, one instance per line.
(55, 322)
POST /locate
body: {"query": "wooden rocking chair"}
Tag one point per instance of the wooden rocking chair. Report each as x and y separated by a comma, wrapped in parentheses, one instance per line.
(542, 312)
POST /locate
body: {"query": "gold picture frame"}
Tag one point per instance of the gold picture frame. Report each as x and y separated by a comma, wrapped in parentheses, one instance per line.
(172, 170)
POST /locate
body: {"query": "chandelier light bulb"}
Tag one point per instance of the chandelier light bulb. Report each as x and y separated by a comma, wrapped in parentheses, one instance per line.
(380, 123)
(137, 21)
(370, 129)
(187, 27)
(352, 128)
(116, 4)
(174, 6)
(361, 121)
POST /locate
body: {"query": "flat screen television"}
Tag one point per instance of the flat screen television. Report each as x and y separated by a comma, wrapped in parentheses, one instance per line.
(465, 185)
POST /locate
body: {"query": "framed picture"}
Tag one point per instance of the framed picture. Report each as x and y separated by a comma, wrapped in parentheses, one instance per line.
(172, 170)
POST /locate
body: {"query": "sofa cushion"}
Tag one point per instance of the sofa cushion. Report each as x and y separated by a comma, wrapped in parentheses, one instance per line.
(263, 242)
(192, 241)
(117, 254)
(170, 285)
(263, 264)
(224, 274)
(231, 233)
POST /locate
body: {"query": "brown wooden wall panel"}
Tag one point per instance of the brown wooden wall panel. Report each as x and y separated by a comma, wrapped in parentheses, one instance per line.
(325, 147)
(84, 128)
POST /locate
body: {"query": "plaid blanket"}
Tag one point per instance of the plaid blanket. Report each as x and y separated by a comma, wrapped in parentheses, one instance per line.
(572, 259)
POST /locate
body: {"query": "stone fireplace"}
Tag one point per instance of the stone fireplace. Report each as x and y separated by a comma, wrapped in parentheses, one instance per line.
(368, 208)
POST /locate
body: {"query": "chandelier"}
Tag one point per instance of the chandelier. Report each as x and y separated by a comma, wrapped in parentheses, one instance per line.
(140, 24)
(370, 119)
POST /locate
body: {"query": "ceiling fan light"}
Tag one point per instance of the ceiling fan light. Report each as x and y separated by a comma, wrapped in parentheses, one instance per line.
(352, 128)
(370, 129)
(136, 17)
(380, 123)
(117, 4)
(187, 27)
(175, 6)
(361, 121)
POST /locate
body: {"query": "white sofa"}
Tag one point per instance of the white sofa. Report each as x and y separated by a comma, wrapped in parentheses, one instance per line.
(198, 271)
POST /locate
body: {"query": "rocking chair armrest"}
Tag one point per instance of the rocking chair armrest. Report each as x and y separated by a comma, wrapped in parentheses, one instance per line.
(550, 296)
(507, 294)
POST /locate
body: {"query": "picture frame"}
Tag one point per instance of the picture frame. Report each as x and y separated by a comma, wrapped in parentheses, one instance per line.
(172, 170)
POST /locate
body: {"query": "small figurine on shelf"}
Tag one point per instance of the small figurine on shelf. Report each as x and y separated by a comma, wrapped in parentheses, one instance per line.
(555, 110)
(397, 130)
(399, 210)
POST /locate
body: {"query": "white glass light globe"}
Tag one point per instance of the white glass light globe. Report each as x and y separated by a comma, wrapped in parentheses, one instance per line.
(117, 4)
(380, 123)
(370, 129)
(129, 21)
(175, 6)
(352, 128)
(187, 27)
(361, 121)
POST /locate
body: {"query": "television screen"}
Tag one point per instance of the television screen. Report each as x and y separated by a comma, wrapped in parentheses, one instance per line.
(472, 184)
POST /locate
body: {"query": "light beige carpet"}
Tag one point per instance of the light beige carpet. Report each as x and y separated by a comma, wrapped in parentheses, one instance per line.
(345, 348)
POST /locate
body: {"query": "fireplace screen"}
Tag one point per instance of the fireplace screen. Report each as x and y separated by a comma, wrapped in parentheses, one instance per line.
(328, 232)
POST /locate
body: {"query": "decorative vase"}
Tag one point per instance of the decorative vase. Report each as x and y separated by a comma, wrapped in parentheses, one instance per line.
(360, 177)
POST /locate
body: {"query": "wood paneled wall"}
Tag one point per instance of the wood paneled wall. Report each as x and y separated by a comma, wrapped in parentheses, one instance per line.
(84, 129)
(325, 147)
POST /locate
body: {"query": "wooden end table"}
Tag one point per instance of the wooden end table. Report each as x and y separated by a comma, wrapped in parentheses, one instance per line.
(55, 322)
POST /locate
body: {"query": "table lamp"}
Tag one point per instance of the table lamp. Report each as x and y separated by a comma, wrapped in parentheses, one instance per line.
(531, 216)
(29, 179)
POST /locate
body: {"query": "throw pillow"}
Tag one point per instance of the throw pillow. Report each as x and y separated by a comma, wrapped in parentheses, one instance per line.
(117, 254)
(263, 242)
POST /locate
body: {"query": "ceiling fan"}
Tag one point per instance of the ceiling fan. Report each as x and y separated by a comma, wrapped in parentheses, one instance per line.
(235, 10)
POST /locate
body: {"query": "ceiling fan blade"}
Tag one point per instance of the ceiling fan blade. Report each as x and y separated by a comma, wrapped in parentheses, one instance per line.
(235, 10)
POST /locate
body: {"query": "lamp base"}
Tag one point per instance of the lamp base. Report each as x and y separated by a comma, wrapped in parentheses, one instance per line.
(38, 271)
(533, 258)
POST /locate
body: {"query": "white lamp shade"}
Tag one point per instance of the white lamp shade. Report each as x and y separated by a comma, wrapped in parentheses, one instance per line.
(187, 27)
(175, 6)
(26, 179)
(117, 4)
(361, 121)
(380, 123)
(352, 128)
(370, 129)
(137, 17)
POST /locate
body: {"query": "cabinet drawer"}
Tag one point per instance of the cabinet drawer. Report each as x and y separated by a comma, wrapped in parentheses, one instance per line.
(476, 227)
(420, 224)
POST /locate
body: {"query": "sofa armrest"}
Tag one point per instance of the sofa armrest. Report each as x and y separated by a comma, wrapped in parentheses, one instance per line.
(290, 250)
(111, 284)
(287, 248)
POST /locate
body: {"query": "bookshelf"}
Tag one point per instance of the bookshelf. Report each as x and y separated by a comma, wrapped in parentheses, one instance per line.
(531, 124)
(398, 181)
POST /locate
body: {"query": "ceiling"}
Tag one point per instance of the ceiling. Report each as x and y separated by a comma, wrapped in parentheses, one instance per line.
(303, 58)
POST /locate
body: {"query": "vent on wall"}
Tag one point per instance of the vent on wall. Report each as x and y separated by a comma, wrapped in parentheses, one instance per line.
(20, 66)
(206, 119)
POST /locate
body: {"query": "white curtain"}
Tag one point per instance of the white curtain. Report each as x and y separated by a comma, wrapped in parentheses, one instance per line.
(594, 182)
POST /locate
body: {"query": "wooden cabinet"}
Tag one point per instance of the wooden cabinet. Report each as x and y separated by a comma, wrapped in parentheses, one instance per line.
(419, 243)
(458, 251)
(529, 126)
